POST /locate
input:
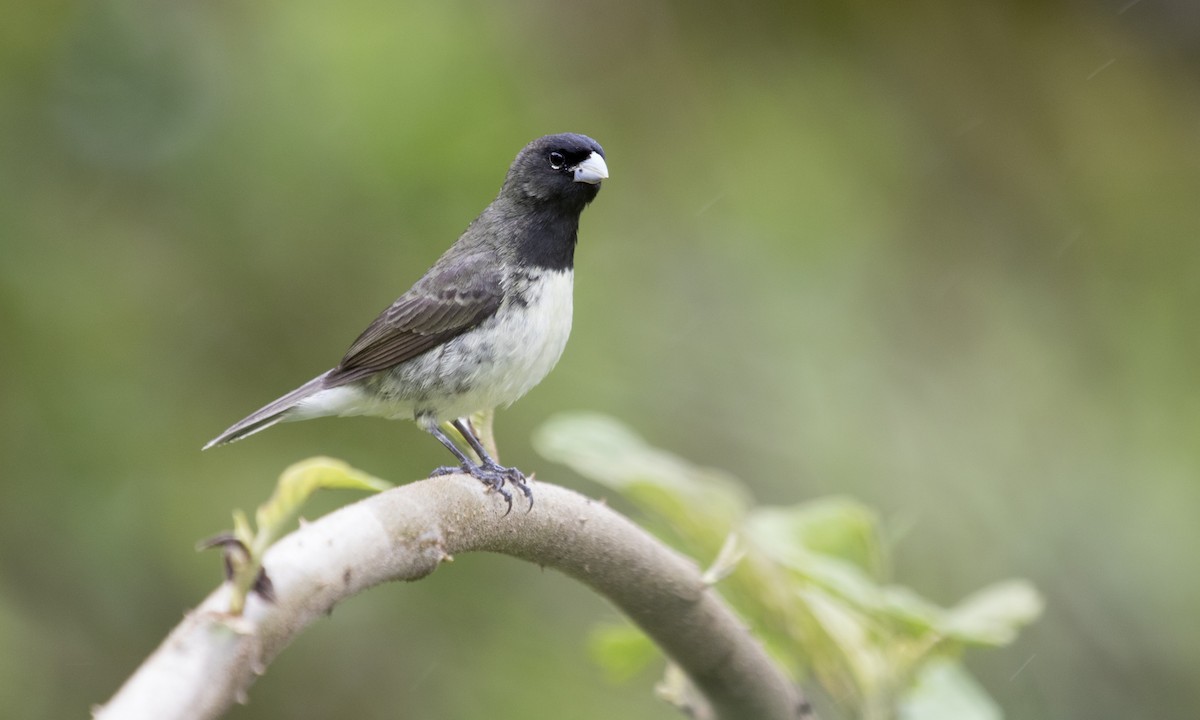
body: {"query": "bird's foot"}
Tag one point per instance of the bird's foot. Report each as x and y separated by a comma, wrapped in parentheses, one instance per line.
(514, 477)
(495, 476)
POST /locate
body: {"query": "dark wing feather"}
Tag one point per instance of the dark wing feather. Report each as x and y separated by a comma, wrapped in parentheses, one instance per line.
(452, 298)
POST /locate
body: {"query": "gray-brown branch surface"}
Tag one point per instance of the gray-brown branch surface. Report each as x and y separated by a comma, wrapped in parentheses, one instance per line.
(209, 660)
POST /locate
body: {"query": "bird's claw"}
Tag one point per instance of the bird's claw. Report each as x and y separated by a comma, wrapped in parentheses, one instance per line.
(514, 477)
(523, 486)
(495, 476)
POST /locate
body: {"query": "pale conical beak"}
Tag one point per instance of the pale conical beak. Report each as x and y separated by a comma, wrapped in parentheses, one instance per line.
(592, 170)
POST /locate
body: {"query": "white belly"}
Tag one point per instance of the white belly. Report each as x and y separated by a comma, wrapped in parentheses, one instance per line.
(490, 366)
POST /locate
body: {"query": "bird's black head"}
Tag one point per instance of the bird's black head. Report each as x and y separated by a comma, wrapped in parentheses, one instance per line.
(563, 170)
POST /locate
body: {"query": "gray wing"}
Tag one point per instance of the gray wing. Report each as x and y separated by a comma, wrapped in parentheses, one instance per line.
(448, 301)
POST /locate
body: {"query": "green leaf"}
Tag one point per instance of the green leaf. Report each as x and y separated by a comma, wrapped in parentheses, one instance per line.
(299, 482)
(831, 542)
(913, 611)
(851, 633)
(943, 690)
(621, 650)
(837, 527)
(808, 579)
(701, 504)
(608, 452)
(993, 615)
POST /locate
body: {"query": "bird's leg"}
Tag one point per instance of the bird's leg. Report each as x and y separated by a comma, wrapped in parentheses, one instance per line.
(464, 426)
(511, 474)
(487, 475)
(466, 464)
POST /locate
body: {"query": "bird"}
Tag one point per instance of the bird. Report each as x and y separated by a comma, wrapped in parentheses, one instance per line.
(484, 325)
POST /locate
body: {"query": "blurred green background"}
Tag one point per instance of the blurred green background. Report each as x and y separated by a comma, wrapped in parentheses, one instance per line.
(941, 257)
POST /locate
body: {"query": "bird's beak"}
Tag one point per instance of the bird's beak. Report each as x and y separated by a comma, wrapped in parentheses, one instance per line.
(592, 170)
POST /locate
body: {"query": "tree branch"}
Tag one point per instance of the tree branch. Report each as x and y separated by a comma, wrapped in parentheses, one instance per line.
(210, 659)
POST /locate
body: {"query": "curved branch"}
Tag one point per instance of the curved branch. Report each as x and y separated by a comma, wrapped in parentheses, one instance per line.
(210, 659)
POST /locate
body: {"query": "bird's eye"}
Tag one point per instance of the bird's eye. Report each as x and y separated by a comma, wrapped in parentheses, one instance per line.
(557, 160)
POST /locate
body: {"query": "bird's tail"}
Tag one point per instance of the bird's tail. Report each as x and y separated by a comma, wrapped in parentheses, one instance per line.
(268, 415)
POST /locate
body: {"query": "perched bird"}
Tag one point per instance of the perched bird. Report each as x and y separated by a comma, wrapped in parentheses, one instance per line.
(484, 325)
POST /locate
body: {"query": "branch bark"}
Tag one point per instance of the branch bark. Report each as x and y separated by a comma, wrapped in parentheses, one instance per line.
(209, 660)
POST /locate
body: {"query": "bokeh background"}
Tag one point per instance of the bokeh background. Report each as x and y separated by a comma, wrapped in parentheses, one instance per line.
(939, 256)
